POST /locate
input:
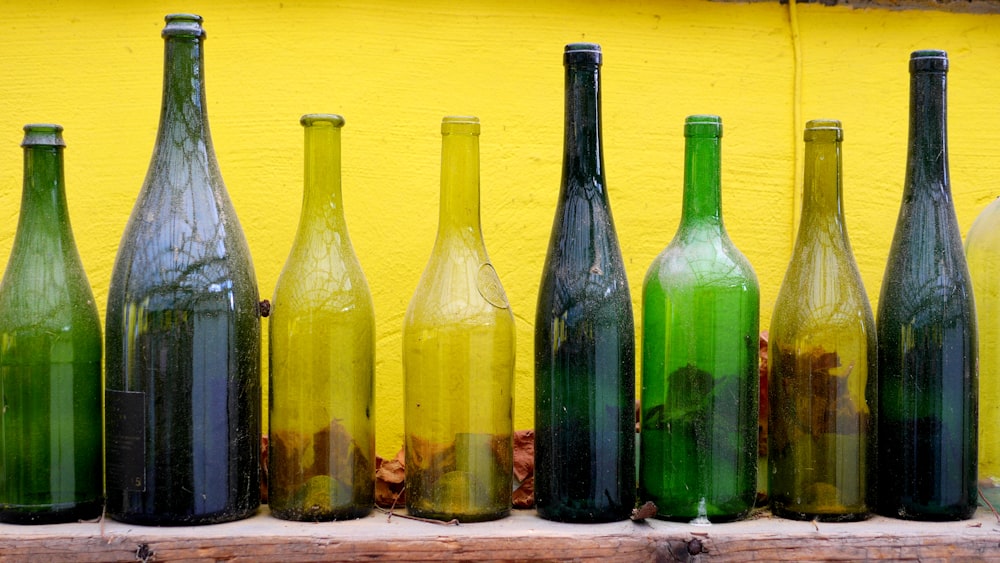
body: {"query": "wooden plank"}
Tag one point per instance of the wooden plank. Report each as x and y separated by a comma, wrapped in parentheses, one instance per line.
(520, 537)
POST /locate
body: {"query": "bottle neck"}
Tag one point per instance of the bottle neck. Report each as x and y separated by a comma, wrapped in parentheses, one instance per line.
(583, 158)
(43, 200)
(459, 209)
(702, 181)
(183, 113)
(322, 203)
(927, 157)
(821, 192)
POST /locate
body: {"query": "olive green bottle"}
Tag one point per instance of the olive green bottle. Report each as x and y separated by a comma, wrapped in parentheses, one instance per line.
(322, 355)
(822, 356)
(458, 357)
(50, 355)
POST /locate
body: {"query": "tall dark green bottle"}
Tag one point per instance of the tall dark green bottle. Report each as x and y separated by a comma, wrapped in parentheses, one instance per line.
(584, 333)
(50, 355)
(700, 379)
(183, 395)
(926, 325)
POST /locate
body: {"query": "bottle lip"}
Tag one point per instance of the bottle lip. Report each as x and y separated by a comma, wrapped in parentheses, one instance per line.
(183, 25)
(582, 53)
(703, 125)
(929, 60)
(43, 134)
(333, 119)
(459, 125)
(823, 130)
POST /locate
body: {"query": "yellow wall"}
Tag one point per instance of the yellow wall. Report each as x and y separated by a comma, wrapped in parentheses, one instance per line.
(394, 68)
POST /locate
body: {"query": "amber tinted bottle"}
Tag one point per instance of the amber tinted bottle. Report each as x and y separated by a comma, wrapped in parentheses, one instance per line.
(458, 357)
(822, 356)
(50, 355)
(183, 395)
(322, 355)
(584, 332)
(927, 345)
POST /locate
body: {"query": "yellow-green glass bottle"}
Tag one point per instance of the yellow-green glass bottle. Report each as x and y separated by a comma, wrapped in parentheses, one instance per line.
(322, 354)
(982, 251)
(823, 356)
(458, 357)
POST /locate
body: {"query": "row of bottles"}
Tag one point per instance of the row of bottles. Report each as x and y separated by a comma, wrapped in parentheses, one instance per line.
(864, 416)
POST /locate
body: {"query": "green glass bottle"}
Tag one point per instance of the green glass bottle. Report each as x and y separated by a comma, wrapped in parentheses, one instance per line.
(182, 395)
(322, 355)
(700, 321)
(927, 366)
(458, 357)
(823, 356)
(982, 250)
(584, 333)
(50, 355)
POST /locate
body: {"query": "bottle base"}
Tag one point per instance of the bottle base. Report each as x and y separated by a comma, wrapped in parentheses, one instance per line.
(463, 518)
(918, 514)
(581, 516)
(145, 519)
(820, 516)
(51, 514)
(299, 515)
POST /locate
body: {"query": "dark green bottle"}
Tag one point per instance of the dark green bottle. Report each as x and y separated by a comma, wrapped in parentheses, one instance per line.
(50, 355)
(700, 378)
(183, 398)
(926, 324)
(584, 333)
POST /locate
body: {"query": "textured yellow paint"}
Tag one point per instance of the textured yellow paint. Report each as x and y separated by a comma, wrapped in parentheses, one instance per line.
(394, 68)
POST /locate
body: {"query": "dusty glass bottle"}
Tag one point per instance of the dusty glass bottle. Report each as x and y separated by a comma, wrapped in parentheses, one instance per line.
(182, 394)
(458, 357)
(584, 333)
(50, 355)
(982, 250)
(322, 355)
(700, 320)
(823, 356)
(927, 368)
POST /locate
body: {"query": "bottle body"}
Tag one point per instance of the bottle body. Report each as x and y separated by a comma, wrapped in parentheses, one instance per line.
(982, 250)
(322, 355)
(823, 357)
(584, 332)
(50, 356)
(700, 321)
(927, 346)
(458, 358)
(183, 327)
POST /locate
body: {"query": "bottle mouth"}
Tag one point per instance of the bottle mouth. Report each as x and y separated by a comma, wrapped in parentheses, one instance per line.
(703, 126)
(823, 130)
(582, 53)
(460, 125)
(929, 60)
(43, 134)
(331, 119)
(183, 25)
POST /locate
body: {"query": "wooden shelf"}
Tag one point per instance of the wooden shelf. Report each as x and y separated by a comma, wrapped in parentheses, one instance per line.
(522, 536)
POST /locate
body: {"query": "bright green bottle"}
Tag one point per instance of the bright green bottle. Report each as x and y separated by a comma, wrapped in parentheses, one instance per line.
(322, 355)
(700, 319)
(458, 357)
(50, 355)
(823, 357)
